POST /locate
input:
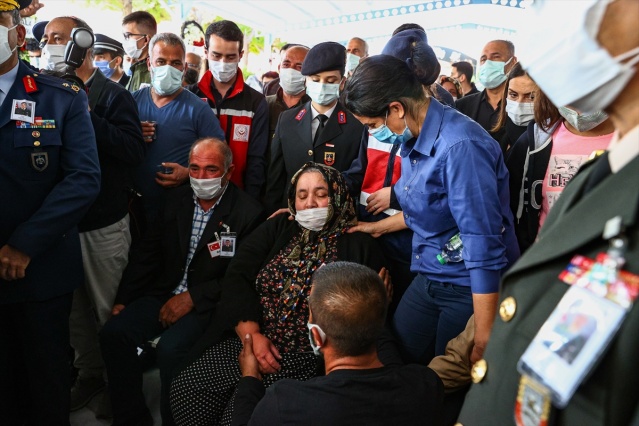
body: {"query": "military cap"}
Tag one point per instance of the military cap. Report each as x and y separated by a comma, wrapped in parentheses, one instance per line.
(401, 45)
(9, 5)
(327, 56)
(38, 30)
(103, 42)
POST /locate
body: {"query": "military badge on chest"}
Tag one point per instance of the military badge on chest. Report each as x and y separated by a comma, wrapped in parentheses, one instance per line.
(39, 160)
(329, 158)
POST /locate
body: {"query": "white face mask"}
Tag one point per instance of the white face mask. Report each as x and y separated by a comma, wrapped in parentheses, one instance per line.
(53, 57)
(322, 93)
(166, 79)
(521, 113)
(314, 345)
(130, 46)
(352, 61)
(5, 49)
(223, 71)
(313, 219)
(292, 81)
(583, 122)
(590, 79)
(206, 189)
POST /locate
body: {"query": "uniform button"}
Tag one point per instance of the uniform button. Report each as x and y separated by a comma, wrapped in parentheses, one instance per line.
(310, 152)
(414, 161)
(406, 215)
(507, 308)
(405, 188)
(416, 256)
(478, 372)
(35, 134)
(36, 143)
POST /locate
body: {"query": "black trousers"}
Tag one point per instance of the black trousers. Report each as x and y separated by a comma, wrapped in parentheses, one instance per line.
(35, 383)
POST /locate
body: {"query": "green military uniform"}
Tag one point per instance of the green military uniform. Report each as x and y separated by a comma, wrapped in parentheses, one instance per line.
(139, 74)
(531, 290)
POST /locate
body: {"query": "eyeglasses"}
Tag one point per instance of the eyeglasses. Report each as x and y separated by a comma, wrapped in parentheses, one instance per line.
(127, 35)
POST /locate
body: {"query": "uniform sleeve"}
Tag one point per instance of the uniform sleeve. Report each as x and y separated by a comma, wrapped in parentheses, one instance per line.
(117, 130)
(255, 157)
(355, 174)
(471, 182)
(276, 181)
(71, 197)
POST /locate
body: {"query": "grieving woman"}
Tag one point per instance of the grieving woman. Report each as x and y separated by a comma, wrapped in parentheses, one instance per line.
(266, 292)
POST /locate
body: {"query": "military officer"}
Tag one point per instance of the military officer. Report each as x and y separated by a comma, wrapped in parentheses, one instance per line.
(579, 369)
(321, 130)
(49, 176)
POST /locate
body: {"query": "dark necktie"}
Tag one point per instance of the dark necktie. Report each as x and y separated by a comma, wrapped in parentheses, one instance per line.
(322, 120)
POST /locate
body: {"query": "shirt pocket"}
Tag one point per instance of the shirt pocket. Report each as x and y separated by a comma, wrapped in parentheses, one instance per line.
(37, 153)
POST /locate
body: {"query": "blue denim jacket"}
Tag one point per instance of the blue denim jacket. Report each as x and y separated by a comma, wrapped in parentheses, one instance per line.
(454, 180)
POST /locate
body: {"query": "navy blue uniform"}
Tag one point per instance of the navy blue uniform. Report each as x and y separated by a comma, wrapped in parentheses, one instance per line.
(49, 176)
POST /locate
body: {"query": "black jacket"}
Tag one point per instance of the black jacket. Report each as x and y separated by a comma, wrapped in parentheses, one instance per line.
(527, 162)
(292, 147)
(120, 148)
(469, 106)
(156, 266)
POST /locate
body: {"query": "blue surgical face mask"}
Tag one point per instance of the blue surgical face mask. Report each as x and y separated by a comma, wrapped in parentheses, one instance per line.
(385, 135)
(166, 79)
(491, 73)
(104, 67)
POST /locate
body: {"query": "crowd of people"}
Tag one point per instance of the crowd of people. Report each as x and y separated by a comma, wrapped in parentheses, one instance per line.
(353, 239)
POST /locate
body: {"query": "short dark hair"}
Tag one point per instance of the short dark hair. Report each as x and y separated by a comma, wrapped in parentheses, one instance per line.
(190, 76)
(405, 27)
(226, 30)
(270, 74)
(142, 18)
(33, 45)
(466, 68)
(348, 302)
(379, 80)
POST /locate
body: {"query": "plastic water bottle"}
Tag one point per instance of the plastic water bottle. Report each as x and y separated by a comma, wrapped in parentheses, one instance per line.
(452, 251)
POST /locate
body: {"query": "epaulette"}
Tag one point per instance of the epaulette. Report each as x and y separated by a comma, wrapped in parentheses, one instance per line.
(52, 81)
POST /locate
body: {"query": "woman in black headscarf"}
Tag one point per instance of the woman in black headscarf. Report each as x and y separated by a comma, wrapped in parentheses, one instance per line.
(266, 292)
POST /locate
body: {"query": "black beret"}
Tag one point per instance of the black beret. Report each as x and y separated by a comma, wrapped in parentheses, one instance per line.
(38, 30)
(400, 46)
(103, 42)
(9, 5)
(327, 56)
